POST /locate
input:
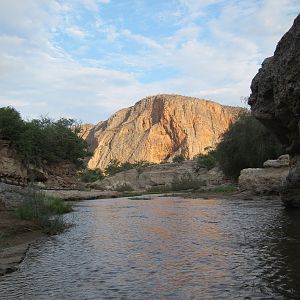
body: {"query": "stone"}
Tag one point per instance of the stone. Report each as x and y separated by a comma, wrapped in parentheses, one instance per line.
(10, 167)
(158, 128)
(263, 180)
(275, 101)
(161, 175)
(282, 161)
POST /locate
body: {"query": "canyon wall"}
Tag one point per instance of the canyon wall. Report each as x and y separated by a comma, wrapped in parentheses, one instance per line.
(275, 101)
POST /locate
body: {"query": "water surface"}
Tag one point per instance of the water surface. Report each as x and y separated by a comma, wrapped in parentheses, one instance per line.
(165, 248)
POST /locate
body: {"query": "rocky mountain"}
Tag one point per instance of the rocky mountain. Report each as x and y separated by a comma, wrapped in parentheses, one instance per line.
(275, 101)
(157, 128)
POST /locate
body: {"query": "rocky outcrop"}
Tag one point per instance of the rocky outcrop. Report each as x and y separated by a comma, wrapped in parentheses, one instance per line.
(11, 169)
(161, 176)
(157, 128)
(275, 101)
(267, 180)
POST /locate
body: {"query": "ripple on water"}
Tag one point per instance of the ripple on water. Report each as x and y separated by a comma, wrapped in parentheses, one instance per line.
(166, 248)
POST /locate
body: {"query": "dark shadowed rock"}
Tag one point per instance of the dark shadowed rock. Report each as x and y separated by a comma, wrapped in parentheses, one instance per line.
(275, 101)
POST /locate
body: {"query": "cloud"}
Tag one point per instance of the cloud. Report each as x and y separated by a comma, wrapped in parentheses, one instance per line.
(111, 63)
(76, 32)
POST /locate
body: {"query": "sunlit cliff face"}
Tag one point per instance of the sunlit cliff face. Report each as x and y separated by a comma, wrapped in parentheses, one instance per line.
(159, 127)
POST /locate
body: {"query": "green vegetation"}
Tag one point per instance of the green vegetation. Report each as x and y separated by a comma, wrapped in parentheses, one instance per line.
(42, 139)
(246, 144)
(158, 189)
(44, 210)
(89, 175)
(115, 166)
(178, 158)
(207, 161)
(186, 182)
(229, 188)
(124, 187)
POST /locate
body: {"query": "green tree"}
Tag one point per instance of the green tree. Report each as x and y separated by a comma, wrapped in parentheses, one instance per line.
(246, 144)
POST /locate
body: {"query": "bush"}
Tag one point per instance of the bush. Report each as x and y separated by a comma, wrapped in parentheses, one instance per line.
(115, 166)
(44, 210)
(207, 161)
(157, 189)
(246, 144)
(89, 175)
(42, 140)
(124, 187)
(186, 182)
(178, 158)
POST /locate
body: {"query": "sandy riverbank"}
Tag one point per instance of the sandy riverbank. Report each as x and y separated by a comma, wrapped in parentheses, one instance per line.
(15, 238)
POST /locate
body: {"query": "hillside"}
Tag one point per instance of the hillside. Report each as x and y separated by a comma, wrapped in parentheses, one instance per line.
(157, 128)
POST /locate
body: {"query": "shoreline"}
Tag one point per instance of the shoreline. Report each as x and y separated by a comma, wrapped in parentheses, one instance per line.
(16, 237)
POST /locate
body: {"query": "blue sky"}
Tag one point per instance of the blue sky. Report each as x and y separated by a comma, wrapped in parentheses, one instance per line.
(88, 58)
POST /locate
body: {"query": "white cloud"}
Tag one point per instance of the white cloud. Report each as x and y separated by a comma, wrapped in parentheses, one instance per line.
(76, 32)
(37, 76)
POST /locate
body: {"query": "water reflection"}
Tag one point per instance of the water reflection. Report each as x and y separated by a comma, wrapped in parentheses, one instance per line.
(166, 248)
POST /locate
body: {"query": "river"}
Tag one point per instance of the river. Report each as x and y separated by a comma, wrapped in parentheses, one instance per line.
(165, 248)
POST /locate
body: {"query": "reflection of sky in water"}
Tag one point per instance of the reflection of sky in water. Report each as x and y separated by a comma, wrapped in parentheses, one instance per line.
(166, 248)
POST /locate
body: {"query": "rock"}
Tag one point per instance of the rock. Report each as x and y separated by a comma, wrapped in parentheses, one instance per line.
(275, 101)
(10, 167)
(157, 128)
(263, 180)
(282, 161)
(161, 175)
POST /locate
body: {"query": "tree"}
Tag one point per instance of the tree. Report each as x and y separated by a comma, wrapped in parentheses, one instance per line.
(246, 144)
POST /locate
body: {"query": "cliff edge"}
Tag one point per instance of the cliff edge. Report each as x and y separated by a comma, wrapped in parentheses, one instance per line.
(275, 101)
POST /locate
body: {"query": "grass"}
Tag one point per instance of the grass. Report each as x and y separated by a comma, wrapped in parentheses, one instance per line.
(44, 210)
(224, 189)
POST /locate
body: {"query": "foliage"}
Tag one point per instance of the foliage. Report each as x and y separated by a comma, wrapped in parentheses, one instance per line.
(124, 187)
(207, 161)
(157, 189)
(229, 188)
(246, 144)
(44, 210)
(115, 166)
(42, 139)
(90, 175)
(186, 182)
(178, 158)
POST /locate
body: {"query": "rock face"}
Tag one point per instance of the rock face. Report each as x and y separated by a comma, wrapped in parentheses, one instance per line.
(162, 176)
(11, 169)
(157, 128)
(275, 101)
(266, 180)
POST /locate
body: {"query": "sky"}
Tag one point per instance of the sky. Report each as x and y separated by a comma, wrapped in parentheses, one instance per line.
(86, 59)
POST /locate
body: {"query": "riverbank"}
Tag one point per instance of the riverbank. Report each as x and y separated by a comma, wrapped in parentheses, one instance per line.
(15, 238)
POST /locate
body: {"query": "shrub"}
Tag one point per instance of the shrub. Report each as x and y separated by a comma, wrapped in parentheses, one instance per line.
(115, 166)
(44, 210)
(124, 187)
(186, 182)
(207, 161)
(90, 175)
(178, 158)
(158, 189)
(246, 144)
